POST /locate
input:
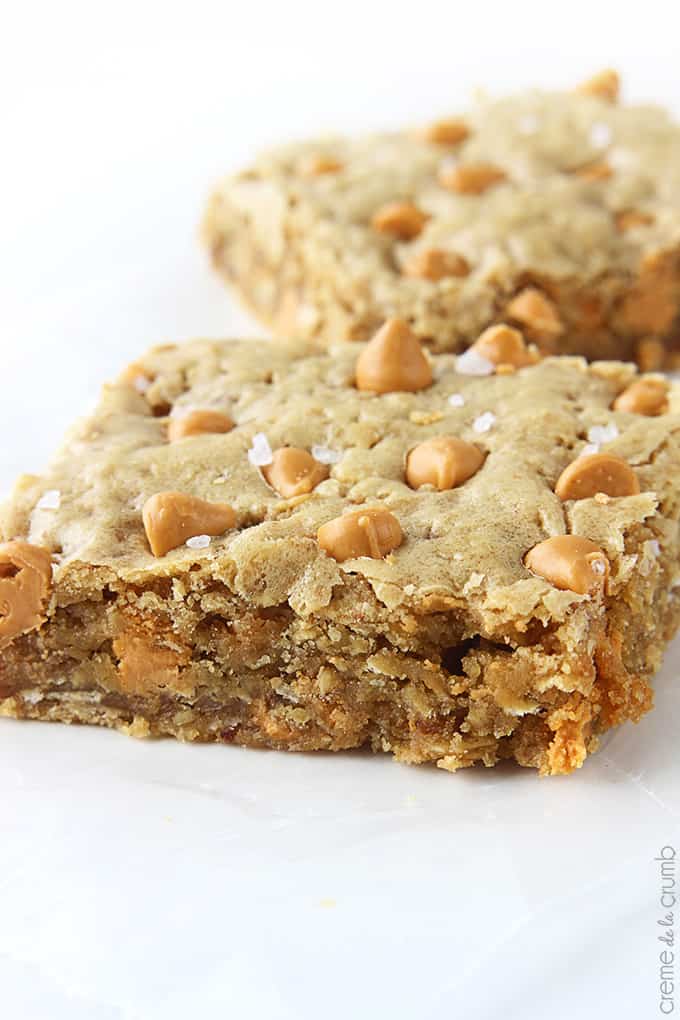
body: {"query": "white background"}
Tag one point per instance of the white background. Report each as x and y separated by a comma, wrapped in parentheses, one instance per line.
(143, 881)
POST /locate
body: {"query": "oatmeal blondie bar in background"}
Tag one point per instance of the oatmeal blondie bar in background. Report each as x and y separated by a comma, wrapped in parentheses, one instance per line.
(455, 560)
(558, 212)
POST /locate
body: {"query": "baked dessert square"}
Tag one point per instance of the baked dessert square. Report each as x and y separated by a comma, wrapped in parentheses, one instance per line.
(451, 559)
(557, 212)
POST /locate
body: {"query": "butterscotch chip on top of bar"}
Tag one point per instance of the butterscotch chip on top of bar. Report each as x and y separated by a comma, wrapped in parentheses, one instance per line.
(555, 211)
(438, 564)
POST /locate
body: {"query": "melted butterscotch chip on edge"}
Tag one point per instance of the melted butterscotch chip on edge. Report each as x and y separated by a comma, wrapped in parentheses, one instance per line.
(596, 473)
(294, 472)
(25, 584)
(171, 518)
(402, 220)
(393, 361)
(443, 462)
(144, 665)
(368, 531)
(571, 563)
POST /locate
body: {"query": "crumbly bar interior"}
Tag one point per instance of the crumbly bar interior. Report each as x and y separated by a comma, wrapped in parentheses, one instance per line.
(586, 213)
(446, 651)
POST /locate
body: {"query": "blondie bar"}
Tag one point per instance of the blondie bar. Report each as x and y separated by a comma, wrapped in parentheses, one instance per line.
(557, 212)
(452, 559)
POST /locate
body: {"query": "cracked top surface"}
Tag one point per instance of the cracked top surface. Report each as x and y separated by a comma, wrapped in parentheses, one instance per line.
(462, 548)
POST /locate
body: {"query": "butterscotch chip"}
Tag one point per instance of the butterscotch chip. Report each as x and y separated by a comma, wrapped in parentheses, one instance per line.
(197, 423)
(569, 562)
(651, 305)
(144, 666)
(650, 354)
(392, 361)
(504, 347)
(294, 472)
(369, 531)
(443, 462)
(471, 178)
(597, 171)
(137, 376)
(628, 219)
(170, 518)
(604, 85)
(400, 219)
(447, 131)
(644, 396)
(25, 582)
(318, 164)
(435, 264)
(532, 309)
(597, 473)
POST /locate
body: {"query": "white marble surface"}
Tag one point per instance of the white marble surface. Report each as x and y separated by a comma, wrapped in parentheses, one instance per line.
(153, 881)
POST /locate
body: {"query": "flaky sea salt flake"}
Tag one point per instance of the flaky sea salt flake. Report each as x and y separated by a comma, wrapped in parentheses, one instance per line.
(198, 542)
(472, 363)
(602, 433)
(260, 454)
(528, 124)
(600, 135)
(50, 500)
(182, 410)
(32, 697)
(325, 455)
(485, 422)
